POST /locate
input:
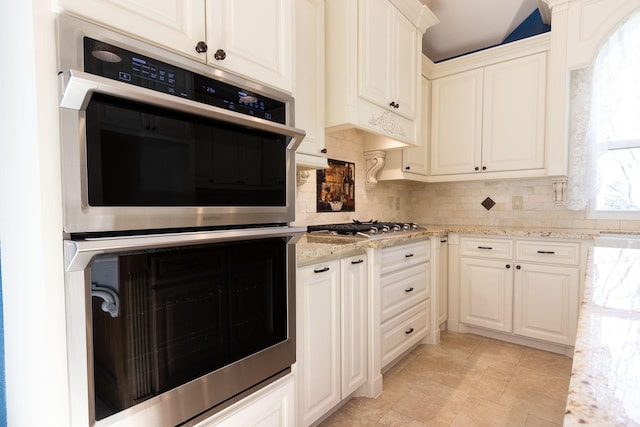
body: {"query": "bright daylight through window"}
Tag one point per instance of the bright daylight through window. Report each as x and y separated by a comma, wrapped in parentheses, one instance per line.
(616, 96)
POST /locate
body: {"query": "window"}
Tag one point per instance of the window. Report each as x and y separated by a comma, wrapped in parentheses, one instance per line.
(615, 124)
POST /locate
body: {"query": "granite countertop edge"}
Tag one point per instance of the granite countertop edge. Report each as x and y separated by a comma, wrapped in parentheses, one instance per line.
(605, 377)
(317, 248)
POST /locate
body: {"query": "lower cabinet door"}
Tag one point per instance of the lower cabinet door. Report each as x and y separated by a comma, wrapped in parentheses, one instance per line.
(318, 339)
(546, 302)
(354, 304)
(486, 292)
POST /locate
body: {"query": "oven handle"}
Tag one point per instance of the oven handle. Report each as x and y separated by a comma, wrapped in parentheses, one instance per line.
(78, 86)
(78, 254)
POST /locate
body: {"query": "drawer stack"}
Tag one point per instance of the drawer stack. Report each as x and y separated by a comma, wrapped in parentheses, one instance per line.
(405, 298)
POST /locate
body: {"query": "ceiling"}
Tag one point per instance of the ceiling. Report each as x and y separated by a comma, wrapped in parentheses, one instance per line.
(469, 25)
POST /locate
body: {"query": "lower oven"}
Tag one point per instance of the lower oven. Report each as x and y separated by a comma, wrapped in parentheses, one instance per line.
(164, 329)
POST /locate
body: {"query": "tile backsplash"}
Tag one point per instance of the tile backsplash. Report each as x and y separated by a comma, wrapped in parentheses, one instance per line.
(445, 203)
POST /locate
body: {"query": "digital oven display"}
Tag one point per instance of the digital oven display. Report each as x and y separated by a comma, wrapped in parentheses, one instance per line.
(115, 63)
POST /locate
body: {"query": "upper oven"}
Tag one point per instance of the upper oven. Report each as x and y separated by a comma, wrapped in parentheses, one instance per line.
(153, 141)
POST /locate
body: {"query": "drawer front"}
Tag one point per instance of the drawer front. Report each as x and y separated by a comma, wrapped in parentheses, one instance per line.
(486, 247)
(403, 256)
(403, 289)
(564, 253)
(402, 332)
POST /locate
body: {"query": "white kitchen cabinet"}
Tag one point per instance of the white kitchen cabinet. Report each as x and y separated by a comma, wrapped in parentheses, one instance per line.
(373, 52)
(412, 163)
(272, 406)
(456, 123)
(546, 290)
(253, 36)
(522, 287)
(405, 298)
(490, 119)
(486, 292)
(331, 334)
(309, 82)
(443, 281)
(387, 58)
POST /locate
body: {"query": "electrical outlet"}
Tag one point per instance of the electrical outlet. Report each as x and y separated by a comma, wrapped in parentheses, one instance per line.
(516, 203)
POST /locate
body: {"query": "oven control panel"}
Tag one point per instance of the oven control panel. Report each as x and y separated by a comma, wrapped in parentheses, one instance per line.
(116, 63)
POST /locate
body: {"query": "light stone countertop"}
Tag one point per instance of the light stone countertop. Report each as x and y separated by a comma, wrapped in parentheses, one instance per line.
(312, 248)
(605, 380)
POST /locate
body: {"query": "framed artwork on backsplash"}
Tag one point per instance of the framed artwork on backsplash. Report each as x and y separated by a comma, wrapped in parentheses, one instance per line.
(336, 187)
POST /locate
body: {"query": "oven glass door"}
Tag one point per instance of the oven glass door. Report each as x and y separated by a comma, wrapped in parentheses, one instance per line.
(164, 317)
(145, 155)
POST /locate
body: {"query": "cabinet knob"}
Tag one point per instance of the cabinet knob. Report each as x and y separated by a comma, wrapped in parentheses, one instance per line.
(408, 167)
(323, 151)
(220, 55)
(394, 105)
(508, 266)
(201, 47)
(518, 267)
(484, 168)
(477, 168)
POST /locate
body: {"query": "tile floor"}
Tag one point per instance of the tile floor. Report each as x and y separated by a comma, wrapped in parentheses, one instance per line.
(466, 381)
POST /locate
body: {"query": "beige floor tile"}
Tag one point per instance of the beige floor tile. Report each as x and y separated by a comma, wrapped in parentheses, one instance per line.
(466, 381)
(480, 412)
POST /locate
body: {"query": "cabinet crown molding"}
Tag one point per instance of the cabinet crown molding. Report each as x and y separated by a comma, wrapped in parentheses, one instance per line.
(489, 56)
(417, 13)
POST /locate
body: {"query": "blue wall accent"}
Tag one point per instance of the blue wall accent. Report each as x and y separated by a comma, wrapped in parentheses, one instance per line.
(531, 26)
(3, 395)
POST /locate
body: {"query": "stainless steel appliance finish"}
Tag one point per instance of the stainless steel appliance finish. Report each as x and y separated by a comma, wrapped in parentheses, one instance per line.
(211, 392)
(148, 164)
(371, 229)
(79, 89)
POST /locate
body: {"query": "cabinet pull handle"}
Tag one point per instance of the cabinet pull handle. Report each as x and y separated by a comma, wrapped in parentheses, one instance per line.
(357, 261)
(321, 270)
(201, 47)
(485, 247)
(408, 255)
(443, 241)
(408, 331)
(220, 55)
(546, 252)
(408, 290)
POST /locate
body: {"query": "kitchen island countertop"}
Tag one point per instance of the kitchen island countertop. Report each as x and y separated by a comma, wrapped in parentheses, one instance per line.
(605, 379)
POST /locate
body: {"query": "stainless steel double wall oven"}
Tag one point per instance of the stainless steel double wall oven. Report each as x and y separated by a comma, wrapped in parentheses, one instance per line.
(178, 187)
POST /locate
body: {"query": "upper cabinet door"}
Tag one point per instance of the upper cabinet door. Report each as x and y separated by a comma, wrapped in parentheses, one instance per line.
(388, 59)
(514, 114)
(456, 123)
(177, 25)
(252, 38)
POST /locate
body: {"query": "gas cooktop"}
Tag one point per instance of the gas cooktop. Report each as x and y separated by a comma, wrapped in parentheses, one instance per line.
(371, 229)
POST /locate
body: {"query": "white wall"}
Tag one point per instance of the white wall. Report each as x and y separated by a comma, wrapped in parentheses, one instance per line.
(30, 217)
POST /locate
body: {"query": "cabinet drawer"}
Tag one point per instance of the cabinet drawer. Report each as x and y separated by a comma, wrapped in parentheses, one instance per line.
(403, 256)
(403, 289)
(565, 253)
(404, 331)
(486, 247)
